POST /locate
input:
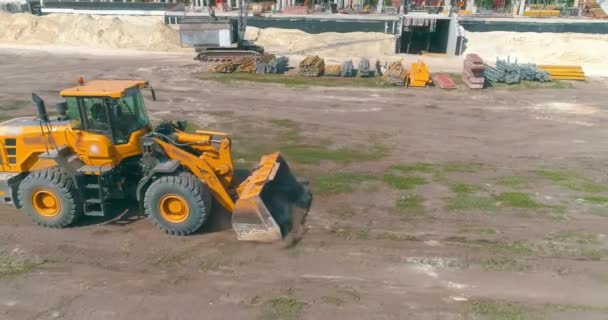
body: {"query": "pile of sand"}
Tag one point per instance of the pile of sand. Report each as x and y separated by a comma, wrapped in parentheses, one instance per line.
(328, 44)
(101, 32)
(540, 48)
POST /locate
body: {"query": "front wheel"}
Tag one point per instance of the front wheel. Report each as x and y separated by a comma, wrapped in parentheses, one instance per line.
(178, 204)
(49, 197)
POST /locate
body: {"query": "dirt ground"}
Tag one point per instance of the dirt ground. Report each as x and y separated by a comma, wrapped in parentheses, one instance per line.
(429, 204)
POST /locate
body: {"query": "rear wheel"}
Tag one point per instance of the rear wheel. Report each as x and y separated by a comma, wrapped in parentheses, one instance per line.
(178, 204)
(49, 197)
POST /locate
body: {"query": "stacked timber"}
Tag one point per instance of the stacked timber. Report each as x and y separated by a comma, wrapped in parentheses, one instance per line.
(247, 64)
(312, 66)
(225, 67)
(333, 70)
(365, 70)
(347, 69)
(472, 73)
(395, 75)
(558, 72)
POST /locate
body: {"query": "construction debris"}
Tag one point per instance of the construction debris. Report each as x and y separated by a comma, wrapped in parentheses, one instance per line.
(419, 75)
(247, 64)
(558, 72)
(333, 70)
(473, 71)
(312, 66)
(225, 67)
(511, 72)
(396, 74)
(347, 69)
(365, 70)
(443, 81)
(279, 65)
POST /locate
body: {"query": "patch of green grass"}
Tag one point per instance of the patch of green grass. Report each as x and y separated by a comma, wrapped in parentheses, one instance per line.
(462, 167)
(463, 188)
(495, 310)
(292, 80)
(282, 308)
(340, 182)
(468, 202)
(416, 167)
(585, 186)
(313, 154)
(594, 254)
(579, 238)
(595, 199)
(409, 204)
(11, 265)
(518, 199)
(396, 236)
(347, 232)
(479, 230)
(553, 175)
(514, 247)
(403, 182)
(332, 300)
(554, 84)
(500, 264)
(514, 182)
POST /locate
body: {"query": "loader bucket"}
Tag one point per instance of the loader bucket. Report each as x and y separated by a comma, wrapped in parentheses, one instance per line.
(267, 201)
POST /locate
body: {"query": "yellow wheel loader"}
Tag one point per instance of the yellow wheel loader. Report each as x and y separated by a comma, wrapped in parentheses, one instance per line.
(101, 147)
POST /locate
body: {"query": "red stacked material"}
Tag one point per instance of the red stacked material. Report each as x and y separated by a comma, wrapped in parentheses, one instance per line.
(472, 73)
(296, 10)
(443, 81)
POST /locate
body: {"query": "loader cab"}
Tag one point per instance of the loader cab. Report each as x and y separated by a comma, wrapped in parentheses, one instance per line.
(113, 108)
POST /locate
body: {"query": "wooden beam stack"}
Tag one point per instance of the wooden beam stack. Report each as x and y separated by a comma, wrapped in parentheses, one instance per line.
(395, 75)
(312, 66)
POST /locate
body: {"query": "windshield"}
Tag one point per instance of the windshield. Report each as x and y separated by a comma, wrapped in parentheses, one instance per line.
(128, 114)
(115, 118)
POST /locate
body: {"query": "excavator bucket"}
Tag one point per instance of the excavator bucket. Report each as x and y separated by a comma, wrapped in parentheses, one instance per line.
(267, 201)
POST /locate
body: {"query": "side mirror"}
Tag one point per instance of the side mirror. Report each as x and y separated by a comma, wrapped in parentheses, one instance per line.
(42, 115)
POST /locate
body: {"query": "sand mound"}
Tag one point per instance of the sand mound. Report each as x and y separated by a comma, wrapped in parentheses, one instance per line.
(540, 48)
(88, 31)
(328, 44)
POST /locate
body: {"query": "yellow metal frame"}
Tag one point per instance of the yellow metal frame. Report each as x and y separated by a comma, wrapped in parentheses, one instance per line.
(103, 88)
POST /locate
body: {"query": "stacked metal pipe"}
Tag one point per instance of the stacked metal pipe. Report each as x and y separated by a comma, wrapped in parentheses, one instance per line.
(511, 72)
(365, 69)
(347, 69)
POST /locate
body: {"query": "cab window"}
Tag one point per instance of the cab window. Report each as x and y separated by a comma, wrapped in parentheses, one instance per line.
(97, 118)
(129, 115)
(73, 112)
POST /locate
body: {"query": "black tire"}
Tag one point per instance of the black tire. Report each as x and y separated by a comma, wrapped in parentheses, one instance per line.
(57, 182)
(190, 189)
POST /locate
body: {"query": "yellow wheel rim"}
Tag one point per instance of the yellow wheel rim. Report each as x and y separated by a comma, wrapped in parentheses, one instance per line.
(173, 208)
(46, 203)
